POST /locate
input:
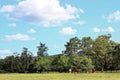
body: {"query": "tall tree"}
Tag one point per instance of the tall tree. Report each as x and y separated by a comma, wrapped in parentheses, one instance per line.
(101, 48)
(86, 46)
(42, 50)
(116, 57)
(73, 46)
(25, 60)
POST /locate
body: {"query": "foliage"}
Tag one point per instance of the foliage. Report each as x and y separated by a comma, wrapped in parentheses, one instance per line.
(73, 46)
(78, 62)
(42, 50)
(116, 57)
(86, 46)
(42, 64)
(101, 54)
(63, 64)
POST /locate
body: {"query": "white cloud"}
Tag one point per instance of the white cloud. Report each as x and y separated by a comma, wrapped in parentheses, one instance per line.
(115, 16)
(80, 22)
(12, 25)
(109, 29)
(68, 31)
(44, 12)
(6, 51)
(8, 8)
(18, 36)
(96, 29)
(31, 31)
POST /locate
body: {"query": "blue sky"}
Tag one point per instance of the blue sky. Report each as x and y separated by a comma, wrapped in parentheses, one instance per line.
(26, 23)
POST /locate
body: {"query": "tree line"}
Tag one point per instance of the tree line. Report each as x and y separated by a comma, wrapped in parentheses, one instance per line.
(101, 54)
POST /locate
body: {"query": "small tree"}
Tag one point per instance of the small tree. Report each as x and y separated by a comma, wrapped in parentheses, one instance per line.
(42, 64)
(78, 62)
(25, 60)
(42, 50)
(63, 64)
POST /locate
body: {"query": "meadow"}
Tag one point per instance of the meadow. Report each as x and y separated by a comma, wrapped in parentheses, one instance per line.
(62, 76)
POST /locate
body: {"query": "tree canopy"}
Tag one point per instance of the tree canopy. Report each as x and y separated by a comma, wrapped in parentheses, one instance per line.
(101, 54)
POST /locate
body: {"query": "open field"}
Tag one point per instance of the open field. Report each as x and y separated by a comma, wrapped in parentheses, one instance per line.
(62, 76)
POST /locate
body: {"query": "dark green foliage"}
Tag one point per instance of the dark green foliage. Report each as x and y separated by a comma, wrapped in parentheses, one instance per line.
(78, 62)
(101, 54)
(73, 46)
(25, 60)
(86, 46)
(42, 64)
(42, 50)
(116, 57)
(63, 63)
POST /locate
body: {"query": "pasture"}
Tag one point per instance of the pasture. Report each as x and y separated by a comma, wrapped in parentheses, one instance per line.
(62, 76)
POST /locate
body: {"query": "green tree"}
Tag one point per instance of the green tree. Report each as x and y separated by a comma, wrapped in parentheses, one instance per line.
(116, 57)
(54, 63)
(42, 50)
(86, 46)
(42, 64)
(73, 46)
(80, 62)
(63, 64)
(74, 61)
(86, 63)
(100, 49)
(9, 64)
(25, 60)
(109, 56)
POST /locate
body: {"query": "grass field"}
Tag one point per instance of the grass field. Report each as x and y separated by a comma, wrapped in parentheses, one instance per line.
(62, 76)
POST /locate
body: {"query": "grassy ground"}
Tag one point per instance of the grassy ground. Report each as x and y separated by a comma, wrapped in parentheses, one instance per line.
(62, 76)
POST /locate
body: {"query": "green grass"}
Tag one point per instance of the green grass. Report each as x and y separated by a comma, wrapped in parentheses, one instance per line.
(62, 76)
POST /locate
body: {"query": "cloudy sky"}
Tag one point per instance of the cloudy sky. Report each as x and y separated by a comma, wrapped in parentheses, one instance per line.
(26, 23)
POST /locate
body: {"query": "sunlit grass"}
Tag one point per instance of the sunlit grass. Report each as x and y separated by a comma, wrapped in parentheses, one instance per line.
(62, 76)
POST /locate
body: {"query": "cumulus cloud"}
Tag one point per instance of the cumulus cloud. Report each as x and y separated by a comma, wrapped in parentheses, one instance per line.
(115, 16)
(12, 25)
(68, 31)
(96, 29)
(109, 29)
(18, 36)
(44, 12)
(31, 31)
